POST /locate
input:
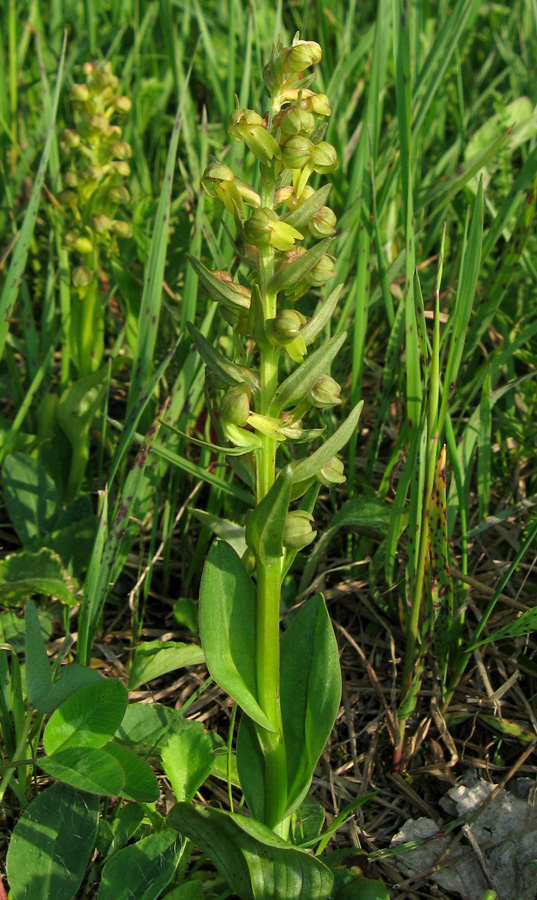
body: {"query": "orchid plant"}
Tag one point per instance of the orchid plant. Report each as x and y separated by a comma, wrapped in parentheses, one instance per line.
(287, 684)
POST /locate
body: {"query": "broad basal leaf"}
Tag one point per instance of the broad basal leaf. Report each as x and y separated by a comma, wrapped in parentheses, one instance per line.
(310, 693)
(256, 863)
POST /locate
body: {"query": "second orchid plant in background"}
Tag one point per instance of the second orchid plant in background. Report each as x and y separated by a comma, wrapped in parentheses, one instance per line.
(287, 684)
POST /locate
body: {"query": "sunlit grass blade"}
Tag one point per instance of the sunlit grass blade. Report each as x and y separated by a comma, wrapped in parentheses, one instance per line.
(154, 277)
(20, 252)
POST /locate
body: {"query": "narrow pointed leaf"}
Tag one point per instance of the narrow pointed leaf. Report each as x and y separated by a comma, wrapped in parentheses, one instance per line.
(321, 318)
(297, 270)
(217, 289)
(297, 385)
(265, 527)
(229, 372)
(305, 212)
(313, 464)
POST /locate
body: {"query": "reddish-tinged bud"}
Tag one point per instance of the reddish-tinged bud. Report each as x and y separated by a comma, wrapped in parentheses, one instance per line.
(332, 473)
(296, 152)
(323, 223)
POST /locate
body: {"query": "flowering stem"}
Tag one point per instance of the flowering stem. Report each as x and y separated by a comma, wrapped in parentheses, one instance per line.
(269, 574)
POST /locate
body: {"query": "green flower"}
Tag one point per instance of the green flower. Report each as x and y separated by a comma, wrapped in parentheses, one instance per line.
(248, 126)
(265, 228)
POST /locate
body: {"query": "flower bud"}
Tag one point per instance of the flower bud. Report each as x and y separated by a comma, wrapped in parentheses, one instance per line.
(296, 152)
(318, 104)
(122, 168)
(99, 125)
(82, 277)
(101, 224)
(122, 150)
(324, 158)
(83, 245)
(283, 195)
(323, 223)
(71, 179)
(286, 326)
(294, 202)
(122, 104)
(235, 405)
(322, 271)
(71, 138)
(298, 532)
(332, 473)
(92, 173)
(80, 93)
(295, 120)
(119, 194)
(264, 228)
(122, 229)
(301, 55)
(325, 392)
(69, 198)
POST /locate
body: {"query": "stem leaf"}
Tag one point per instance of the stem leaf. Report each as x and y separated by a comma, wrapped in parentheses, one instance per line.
(297, 270)
(229, 372)
(313, 464)
(297, 385)
(265, 527)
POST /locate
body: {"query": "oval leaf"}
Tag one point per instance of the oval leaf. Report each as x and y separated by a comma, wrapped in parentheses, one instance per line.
(143, 869)
(88, 718)
(155, 658)
(86, 768)
(140, 780)
(227, 628)
(52, 843)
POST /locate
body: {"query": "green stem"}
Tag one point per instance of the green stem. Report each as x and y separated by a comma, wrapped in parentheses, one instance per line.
(269, 573)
